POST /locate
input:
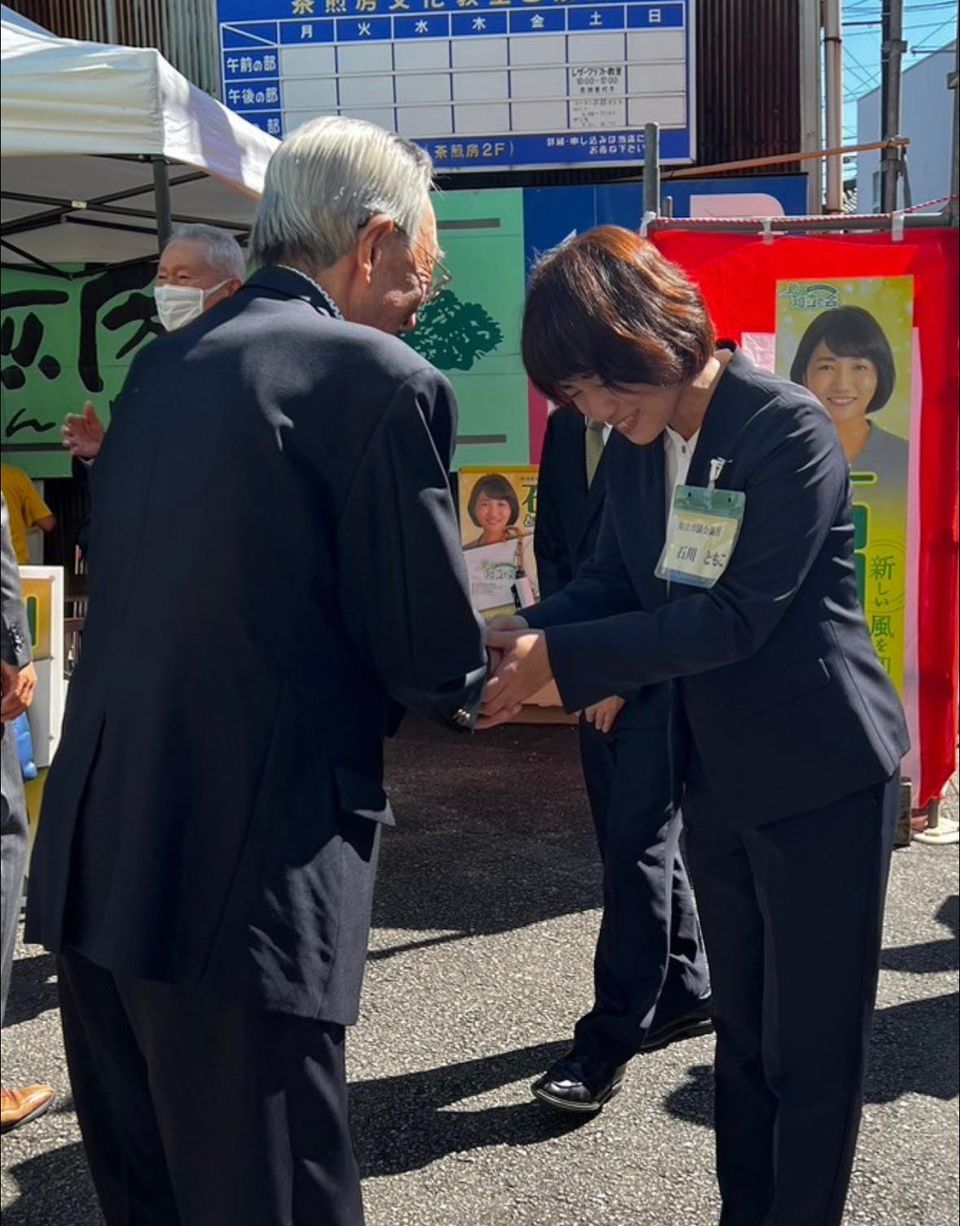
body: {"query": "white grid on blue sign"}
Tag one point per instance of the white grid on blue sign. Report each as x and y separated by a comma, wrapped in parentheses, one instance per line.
(479, 83)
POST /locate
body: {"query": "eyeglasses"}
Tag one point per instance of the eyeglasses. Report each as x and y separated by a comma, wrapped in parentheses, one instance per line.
(440, 276)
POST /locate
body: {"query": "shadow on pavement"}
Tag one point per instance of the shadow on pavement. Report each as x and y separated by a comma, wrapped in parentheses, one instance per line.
(404, 1123)
(33, 988)
(907, 1056)
(913, 1050)
(55, 1190)
(493, 833)
(929, 957)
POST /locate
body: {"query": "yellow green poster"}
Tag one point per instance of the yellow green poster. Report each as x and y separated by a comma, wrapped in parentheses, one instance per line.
(498, 512)
(851, 343)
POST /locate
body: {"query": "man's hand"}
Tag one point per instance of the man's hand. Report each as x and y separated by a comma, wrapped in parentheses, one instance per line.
(83, 434)
(507, 621)
(603, 715)
(494, 660)
(18, 688)
(524, 670)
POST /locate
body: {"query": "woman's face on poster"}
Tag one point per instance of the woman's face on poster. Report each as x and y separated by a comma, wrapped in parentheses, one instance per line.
(493, 515)
(845, 386)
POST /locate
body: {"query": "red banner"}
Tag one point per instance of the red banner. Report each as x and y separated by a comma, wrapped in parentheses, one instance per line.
(739, 275)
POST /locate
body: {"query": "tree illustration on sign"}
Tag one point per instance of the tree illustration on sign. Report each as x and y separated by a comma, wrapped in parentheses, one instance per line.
(454, 335)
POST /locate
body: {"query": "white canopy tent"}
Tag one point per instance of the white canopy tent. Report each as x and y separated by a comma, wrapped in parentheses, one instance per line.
(104, 147)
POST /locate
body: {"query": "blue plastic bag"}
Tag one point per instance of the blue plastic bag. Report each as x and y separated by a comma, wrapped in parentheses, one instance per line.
(21, 732)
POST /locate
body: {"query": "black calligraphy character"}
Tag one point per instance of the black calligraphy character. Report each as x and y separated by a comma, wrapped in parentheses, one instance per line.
(25, 351)
(97, 294)
(138, 308)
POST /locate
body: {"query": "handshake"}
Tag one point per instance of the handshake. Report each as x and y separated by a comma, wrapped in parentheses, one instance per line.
(519, 667)
(517, 658)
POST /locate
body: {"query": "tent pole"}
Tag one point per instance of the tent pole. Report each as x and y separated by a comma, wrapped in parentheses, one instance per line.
(37, 265)
(161, 189)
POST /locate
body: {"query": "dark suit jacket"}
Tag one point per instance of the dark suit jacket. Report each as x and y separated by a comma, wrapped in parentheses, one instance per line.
(274, 558)
(568, 513)
(774, 667)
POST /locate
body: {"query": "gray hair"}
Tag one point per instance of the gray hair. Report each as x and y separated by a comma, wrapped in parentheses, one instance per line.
(326, 180)
(224, 253)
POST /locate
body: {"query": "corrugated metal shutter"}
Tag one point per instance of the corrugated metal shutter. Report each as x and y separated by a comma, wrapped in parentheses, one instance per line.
(748, 102)
(185, 31)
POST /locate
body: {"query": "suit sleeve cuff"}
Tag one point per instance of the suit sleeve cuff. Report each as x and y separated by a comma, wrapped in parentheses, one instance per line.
(577, 687)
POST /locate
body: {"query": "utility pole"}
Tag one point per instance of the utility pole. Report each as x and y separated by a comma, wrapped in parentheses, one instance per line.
(651, 170)
(891, 64)
(811, 104)
(833, 96)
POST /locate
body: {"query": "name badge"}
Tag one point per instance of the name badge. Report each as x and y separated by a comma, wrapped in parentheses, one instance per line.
(703, 531)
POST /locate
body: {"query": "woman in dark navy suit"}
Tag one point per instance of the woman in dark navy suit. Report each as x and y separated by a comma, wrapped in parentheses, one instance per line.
(787, 734)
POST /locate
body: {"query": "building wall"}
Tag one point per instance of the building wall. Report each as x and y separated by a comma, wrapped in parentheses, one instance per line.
(927, 119)
(748, 71)
(748, 97)
(185, 31)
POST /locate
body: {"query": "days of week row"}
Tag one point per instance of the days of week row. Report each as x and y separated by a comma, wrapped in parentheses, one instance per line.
(258, 38)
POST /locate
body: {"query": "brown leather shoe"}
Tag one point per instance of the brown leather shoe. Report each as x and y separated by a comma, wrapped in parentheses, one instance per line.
(21, 1106)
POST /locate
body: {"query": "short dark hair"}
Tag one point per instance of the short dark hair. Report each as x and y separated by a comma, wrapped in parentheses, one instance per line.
(849, 332)
(607, 303)
(494, 485)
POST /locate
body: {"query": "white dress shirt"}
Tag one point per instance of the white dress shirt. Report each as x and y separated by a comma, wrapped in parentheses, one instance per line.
(677, 452)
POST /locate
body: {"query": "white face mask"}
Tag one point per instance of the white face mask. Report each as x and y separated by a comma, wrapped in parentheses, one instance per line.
(178, 305)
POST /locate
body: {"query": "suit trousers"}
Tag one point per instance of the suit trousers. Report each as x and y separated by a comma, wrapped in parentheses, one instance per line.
(792, 915)
(199, 1112)
(13, 855)
(649, 967)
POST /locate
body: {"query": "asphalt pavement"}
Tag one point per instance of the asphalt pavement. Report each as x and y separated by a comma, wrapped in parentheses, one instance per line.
(480, 963)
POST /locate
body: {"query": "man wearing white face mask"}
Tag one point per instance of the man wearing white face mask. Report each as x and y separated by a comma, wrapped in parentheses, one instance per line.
(199, 267)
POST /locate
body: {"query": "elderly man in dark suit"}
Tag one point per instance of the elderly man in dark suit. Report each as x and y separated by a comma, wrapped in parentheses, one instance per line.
(725, 567)
(17, 1106)
(206, 854)
(651, 985)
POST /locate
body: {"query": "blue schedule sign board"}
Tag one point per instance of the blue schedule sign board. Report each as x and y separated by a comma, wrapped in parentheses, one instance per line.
(481, 84)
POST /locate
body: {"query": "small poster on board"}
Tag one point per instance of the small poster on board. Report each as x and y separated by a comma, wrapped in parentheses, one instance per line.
(498, 511)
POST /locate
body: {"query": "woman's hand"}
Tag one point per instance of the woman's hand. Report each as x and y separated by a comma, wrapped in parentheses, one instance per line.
(524, 670)
(603, 715)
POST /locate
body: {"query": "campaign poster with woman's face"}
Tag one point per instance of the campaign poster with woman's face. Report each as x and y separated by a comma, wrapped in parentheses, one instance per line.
(498, 511)
(850, 342)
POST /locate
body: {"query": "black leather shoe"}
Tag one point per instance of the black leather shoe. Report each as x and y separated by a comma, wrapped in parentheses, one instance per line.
(687, 1026)
(578, 1083)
